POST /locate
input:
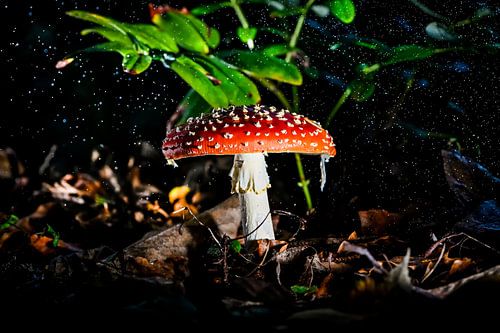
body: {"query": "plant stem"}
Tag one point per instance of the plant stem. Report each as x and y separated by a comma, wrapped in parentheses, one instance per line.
(243, 20)
(274, 90)
(298, 29)
(295, 99)
(292, 43)
(303, 181)
(340, 102)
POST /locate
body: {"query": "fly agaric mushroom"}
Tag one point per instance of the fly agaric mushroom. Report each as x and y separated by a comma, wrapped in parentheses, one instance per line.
(249, 133)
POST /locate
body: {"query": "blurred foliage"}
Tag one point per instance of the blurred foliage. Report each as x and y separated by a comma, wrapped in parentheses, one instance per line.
(181, 41)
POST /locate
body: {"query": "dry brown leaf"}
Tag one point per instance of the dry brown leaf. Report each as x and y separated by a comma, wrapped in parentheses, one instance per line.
(353, 236)
(460, 265)
(323, 290)
(42, 244)
(377, 221)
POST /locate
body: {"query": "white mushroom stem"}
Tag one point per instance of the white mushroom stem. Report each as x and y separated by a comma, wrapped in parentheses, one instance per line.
(251, 181)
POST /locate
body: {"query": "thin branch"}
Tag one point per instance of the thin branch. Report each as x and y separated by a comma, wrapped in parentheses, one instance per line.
(201, 223)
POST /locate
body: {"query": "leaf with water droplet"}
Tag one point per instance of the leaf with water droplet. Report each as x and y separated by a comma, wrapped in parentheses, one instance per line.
(246, 34)
(344, 10)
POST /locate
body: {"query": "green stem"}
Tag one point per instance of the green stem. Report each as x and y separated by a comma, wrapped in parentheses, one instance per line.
(292, 43)
(274, 90)
(298, 29)
(295, 99)
(337, 106)
(243, 20)
(303, 182)
(239, 13)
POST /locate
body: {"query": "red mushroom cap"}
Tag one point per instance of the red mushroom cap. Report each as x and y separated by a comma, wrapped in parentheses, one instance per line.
(240, 130)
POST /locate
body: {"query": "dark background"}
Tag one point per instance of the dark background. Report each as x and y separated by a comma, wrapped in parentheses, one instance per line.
(92, 102)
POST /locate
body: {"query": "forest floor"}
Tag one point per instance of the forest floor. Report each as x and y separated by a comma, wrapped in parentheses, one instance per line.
(92, 242)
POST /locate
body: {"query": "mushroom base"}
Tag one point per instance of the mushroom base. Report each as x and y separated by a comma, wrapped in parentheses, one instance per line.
(256, 216)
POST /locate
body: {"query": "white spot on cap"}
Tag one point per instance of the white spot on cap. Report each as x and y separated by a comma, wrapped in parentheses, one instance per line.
(314, 144)
(228, 135)
(217, 146)
(257, 124)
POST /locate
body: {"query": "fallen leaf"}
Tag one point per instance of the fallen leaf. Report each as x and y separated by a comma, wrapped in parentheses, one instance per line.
(377, 221)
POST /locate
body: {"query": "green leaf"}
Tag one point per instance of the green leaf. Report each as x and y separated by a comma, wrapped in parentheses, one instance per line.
(409, 53)
(320, 10)
(238, 89)
(196, 76)
(146, 34)
(301, 290)
(209, 8)
(286, 12)
(440, 31)
(344, 10)
(11, 220)
(118, 47)
(236, 246)
(190, 33)
(135, 63)
(277, 32)
(263, 66)
(210, 34)
(246, 34)
(153, 37)
(277, 50)
(192, 105)
(362, 89)
(110, 34)
(54, 234)
(97, 19)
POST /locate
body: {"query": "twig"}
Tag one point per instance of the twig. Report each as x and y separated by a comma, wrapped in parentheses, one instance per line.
(345, 246)
(426, 276)
(199, 222)
(262, 261)
(439, 242)
(302, 225)
(254, 230)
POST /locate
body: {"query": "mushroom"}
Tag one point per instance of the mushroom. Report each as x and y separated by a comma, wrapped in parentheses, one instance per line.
(249, 133)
